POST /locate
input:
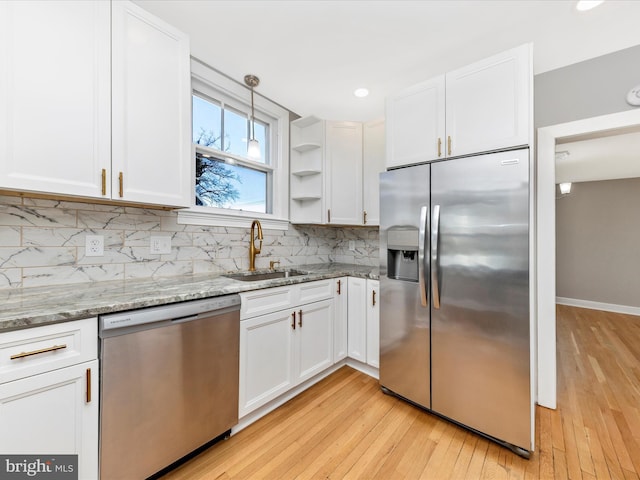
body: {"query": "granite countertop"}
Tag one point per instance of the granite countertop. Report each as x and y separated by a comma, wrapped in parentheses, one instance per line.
(30, 307)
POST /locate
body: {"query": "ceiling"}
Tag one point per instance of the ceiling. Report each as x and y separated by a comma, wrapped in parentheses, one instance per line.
(311, 55)
(609, 156)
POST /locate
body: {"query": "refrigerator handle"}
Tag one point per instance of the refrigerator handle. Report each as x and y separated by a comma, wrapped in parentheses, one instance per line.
(421, 239)
(435, 230)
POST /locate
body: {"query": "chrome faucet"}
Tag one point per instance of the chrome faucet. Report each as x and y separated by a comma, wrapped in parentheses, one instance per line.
(253, 251)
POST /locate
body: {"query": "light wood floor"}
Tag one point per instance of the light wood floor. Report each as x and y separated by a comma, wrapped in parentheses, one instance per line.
(345, 427)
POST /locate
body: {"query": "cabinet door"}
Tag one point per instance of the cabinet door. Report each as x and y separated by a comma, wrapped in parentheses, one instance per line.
(357, 337)
(49, 414)
(151, 109)
(266, 359)
(55, 104)
(373, 163)
(415, 123)
(343, 185)
(340, 322)
(373, 323)
(489, 103)
(315, 337)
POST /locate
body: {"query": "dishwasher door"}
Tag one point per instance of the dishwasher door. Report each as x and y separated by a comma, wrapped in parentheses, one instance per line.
(167, 386)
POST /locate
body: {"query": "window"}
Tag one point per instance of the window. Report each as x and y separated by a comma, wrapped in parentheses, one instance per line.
(229, 188)
(225, 177)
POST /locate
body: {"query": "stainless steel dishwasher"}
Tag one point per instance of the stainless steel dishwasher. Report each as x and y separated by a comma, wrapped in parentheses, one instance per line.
(169, 383)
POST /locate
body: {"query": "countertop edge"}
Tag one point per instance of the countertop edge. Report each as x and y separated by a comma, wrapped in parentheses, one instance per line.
(26, 308)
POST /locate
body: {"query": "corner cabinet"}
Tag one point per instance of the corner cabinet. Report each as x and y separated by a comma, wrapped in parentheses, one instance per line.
(340, 323)
(334, 171)
(97, 105)
(49, 392)
(364, 321)
(482, 107)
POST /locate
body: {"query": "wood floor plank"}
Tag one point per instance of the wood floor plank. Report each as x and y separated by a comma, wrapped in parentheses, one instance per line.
(344, 427)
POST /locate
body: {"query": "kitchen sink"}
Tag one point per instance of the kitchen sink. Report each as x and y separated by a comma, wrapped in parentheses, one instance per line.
(257, 276)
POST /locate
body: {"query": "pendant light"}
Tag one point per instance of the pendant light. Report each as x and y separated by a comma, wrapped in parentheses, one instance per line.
(253, 147)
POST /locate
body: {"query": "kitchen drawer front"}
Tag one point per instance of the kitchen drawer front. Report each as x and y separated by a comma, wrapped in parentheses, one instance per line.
(50, 347)
(315, 291)
(259, 302)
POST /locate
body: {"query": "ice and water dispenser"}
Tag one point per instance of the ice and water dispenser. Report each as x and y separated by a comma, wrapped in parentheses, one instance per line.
(402, 253)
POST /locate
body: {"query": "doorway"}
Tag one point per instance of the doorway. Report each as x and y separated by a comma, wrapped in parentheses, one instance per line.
(546, 235)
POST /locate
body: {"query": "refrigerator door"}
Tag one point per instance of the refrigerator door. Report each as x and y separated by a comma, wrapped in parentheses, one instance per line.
(404, 312)
(480, 310)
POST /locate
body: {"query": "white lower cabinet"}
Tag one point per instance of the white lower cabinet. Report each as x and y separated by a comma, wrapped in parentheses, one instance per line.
(314, 339)
(357, 319)
(364, 321)
(266, 359)
(51, 410)
(373, 323)
(340, 318)
(290, 334)
(282, 349)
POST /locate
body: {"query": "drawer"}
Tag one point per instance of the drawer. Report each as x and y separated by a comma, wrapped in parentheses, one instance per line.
(259, 302)
(315, 291)
(42, 349)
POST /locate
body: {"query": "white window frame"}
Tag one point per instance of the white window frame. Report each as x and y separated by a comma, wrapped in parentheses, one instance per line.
(208, 82)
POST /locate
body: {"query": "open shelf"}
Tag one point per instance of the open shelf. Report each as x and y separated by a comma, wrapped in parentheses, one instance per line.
(306, 147)
(307, 172)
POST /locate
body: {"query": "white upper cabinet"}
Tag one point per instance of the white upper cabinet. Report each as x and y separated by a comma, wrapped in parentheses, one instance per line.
(479, 108)
(373, 155)
(344, 173)
(489, 103)
(64, 68)
(416, 123)
(151, 109)
(55, 101)
(334, 171)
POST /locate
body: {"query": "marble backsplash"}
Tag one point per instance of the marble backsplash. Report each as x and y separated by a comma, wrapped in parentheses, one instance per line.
(42, 242)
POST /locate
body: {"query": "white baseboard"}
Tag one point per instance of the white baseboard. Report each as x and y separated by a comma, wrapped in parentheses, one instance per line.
(607, 307)
(364, 368)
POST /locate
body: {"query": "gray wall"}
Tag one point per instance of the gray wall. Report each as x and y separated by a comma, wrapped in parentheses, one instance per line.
(587, 89)
(598, 242)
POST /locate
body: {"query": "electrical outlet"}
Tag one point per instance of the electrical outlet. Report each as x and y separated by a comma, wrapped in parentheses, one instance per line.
(94, 246)
(160, 245)
(352, 245)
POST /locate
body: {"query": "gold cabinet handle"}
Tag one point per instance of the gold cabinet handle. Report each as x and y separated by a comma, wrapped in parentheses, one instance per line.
(104, 181)
(120, 181)
(88, 385)
(293, 322)
(300, 318)
(439, 147)
(37, 352)
(339, 285)
(373, 298)
(329, 216)
(449, 145)
(364, 217)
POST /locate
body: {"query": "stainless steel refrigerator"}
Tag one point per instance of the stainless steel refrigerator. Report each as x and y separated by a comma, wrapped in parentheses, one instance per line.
(454, 282)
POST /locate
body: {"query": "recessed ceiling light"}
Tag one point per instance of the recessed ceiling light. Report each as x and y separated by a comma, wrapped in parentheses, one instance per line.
(584, 5)
(361, 92)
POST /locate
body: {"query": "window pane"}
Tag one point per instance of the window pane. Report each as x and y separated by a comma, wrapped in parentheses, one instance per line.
(235, 132)
(230, 186)
(207, 124)
(261, 135)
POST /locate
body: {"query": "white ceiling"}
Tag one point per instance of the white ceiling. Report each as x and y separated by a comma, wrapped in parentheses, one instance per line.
(610, 156)
(311, 55)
